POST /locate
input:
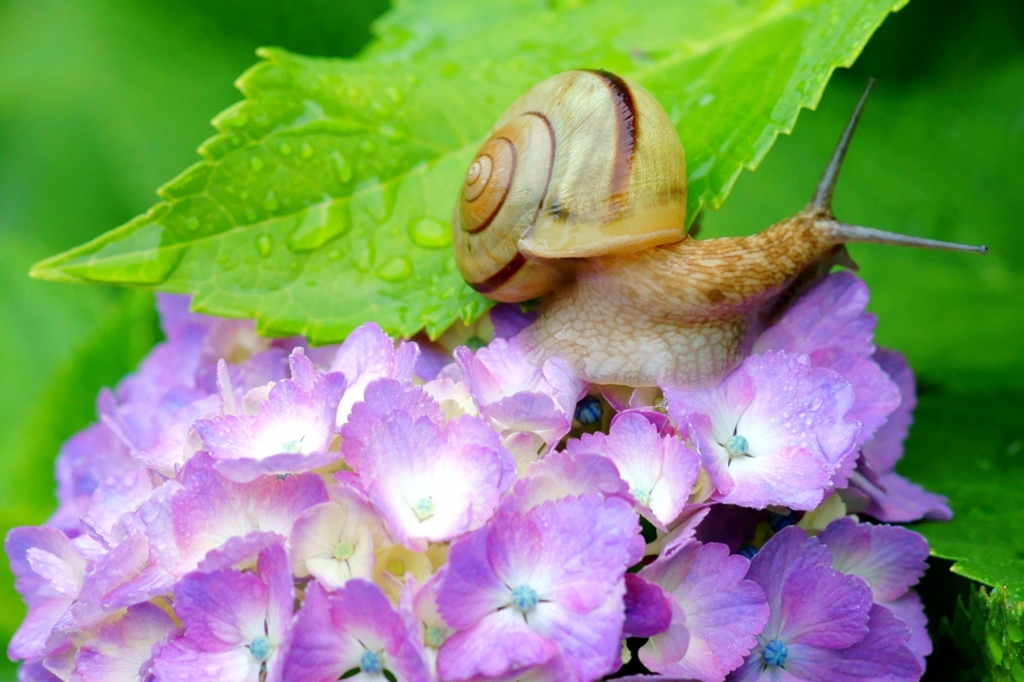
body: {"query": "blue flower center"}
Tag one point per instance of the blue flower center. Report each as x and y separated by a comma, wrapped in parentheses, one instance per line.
(434, 637)
(371, 662)
(737, 446)
(260, 648)
(589, 410)
(641, 496)
(291, 446)
(524, 598)
(775, 653)
(424, 509)
(344, 550)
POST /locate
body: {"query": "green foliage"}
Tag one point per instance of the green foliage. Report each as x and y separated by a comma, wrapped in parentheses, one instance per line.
(324, 199)
(988, 633)
(970, 447)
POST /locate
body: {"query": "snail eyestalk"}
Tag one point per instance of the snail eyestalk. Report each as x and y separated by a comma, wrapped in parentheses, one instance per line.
(846, 233)
(822, 199)
(821, 203)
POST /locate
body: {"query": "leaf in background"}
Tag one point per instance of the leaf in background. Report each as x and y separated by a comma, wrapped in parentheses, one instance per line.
(970, 447)
(988, 632)
(324, 199)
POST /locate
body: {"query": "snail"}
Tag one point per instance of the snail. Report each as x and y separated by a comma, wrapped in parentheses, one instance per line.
(579, 195)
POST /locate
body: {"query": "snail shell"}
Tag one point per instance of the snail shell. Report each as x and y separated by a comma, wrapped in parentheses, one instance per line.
(584, 164)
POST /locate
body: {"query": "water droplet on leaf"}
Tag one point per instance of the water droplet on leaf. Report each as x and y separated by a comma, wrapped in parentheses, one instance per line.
(270, 201)
(256, 163)
(264, 243)
(342, 168)
(285, 149)
(430, 233)
(397, 269)
(306, 150)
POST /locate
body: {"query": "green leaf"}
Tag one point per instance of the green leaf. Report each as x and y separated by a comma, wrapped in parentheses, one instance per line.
(988, 633)
(324, 199)
(970, 447)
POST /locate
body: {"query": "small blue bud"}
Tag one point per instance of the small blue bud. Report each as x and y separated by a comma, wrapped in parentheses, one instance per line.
(749, 551)
(424, 509)
(780, 521)
(775, 653)
(737, 446)
(589, 410)
(260, 648)
(370, 662)
(524, 598)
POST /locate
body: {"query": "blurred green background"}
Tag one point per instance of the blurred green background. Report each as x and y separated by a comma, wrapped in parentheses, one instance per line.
(101, 101)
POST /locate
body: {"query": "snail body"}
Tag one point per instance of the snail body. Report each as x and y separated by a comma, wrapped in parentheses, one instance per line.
(579, 195)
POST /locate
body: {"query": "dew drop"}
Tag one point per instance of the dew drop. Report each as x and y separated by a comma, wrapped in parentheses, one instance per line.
(256, 163)
(285, 149)
(250, 213)
(397, 269)
(368, 146)
(306, 150)
(342, 168)
(270, 201)
(382, 109)
(334, 254)
(430, 233)
(192, 223)
(264, 243)
(394, 93)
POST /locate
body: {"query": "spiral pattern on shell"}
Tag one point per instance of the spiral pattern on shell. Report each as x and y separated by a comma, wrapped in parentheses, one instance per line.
(584, 164)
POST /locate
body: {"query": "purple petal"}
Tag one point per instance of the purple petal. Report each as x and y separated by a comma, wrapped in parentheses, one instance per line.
(221, 610)
(500, 644)
(660, 470)
(886, 448)
(509, 319)
(207, 509)
(429, 483)
(910, 610)
(648, 609)
(499, 373)
(718, 609)
(368, 354)
(894, 499)
(829, 315)
(572, 554)
(291, 432)
(810, 602)
(88, 458)
(123, 650)
(239, 552)
(881, 653)
(333, 630)
(180, 662)
(890, 559)
(565, 474)
(774, 432)
(347, 523)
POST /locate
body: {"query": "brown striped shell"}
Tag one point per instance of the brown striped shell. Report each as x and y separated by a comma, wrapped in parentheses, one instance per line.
(584, 164)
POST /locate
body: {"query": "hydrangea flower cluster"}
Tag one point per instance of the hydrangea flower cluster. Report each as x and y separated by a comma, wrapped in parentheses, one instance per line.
(250, 510)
